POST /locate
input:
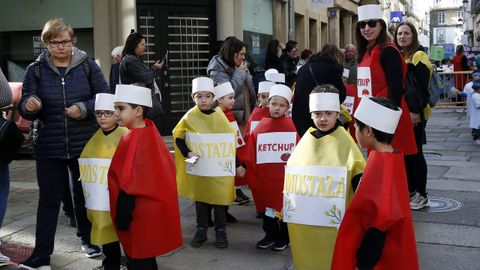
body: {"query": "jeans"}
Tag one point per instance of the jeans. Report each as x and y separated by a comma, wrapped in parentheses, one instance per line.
(4, 190)
(54, 177)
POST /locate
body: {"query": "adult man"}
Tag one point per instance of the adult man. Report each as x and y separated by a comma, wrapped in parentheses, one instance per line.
(350, 63)
(288, 63)
(114, 71)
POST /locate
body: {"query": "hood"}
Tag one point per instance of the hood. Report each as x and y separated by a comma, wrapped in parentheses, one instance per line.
(78, 56)
(218, 64)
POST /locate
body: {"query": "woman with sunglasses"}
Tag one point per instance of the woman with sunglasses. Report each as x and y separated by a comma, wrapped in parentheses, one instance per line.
(419, 66)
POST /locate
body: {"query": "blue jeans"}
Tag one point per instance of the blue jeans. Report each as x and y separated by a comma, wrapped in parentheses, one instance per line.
(4, 189)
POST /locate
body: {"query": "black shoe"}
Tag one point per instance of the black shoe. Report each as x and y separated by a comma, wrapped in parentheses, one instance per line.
(35, 263)
(241, 194)
(260, 215)
(230, 218)
(240, 198)
(265, 243)
(221, 238)
(280, 246)
(199, 238)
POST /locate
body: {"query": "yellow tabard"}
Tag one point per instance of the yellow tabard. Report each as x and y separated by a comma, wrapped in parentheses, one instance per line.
(101, 146)
(312, 246)
(212, 190)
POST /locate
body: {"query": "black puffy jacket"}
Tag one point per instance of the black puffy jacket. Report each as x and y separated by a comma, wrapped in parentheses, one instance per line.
(61, 137)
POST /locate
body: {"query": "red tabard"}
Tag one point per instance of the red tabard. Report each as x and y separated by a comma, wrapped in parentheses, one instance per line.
(266, 180)
(257, 115)
(404, 139)
(352, 92)
(239, 181)
(143, 167)
(381, 201)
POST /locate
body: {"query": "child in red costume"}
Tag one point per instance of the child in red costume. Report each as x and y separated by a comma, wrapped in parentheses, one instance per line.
(269, 147)
(262, 110)
(141, 181)
(377, 230)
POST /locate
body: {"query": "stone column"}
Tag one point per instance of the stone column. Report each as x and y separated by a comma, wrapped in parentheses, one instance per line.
(225, 24)
(334, 26)
(126, 19)
(102, 42)
(347, 29)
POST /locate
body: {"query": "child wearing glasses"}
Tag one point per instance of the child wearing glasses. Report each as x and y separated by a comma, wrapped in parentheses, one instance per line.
(94, 163)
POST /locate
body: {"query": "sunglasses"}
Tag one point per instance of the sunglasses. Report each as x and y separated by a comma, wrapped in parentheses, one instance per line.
(370, 23)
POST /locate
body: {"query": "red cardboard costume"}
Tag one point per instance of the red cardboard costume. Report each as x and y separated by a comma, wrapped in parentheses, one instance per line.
(257, 115)
(371, 79)
(266, 178)
(351, 97)
(241, 145)
(143, 167)
(381, 202)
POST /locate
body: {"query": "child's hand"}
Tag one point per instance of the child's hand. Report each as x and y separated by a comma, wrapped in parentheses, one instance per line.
(190, 154)
(240, 171)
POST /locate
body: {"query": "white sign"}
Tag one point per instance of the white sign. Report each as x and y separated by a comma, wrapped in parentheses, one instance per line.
(38, 46)
(321, 3)
(93, 174)
(348, 103)
(240, 141)
(364, 82)
(253, 125)
(275, 147)
(314, 195)
(216, 153)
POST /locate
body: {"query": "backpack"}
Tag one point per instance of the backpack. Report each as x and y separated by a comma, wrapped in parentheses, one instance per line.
(434, 88)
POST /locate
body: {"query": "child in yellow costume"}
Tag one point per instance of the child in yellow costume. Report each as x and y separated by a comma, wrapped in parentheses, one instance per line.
(319, 177)
(205, 149)
(94, 164)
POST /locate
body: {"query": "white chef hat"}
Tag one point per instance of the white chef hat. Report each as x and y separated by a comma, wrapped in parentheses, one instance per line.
(223, 89)
(377, 116)
(202, 84)
(282, 91)
(346, 73)
(133, 94)
(264, 87)
(273, 76)
(104, 102)
(324, 102)
(369, 12)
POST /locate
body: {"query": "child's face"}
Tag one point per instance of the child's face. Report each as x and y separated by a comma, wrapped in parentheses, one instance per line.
(324, 120)
(226, 102)
(278, 106)
(126, 114)
(106, 119)
(263, 100)
(364, 136)
(203, 99)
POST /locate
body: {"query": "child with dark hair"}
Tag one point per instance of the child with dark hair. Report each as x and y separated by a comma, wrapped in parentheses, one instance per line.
(377, 229)
(330, 162)
(144, 210)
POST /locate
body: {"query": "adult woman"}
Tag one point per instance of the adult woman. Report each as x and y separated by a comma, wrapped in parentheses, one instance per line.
(419, 66)
(134, 71)
(5, 100)
(460, 63)
(304, 56)
(272, 57)
(59, 89)
(229, 66)
(323, 68)
(382, 70)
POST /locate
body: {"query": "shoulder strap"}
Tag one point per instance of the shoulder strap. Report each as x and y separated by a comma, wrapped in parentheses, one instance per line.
(86, 67)
(311, 73)
(36, 70)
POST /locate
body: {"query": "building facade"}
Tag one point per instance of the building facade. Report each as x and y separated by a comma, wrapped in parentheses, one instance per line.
(446, 24)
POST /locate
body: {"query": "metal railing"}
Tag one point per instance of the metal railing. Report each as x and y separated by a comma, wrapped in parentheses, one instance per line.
(451, 89)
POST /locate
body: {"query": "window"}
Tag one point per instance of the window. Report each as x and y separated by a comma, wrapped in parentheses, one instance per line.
(460, 14)
(441, 17)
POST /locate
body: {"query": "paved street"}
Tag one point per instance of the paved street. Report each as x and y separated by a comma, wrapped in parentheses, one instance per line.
(445, 240)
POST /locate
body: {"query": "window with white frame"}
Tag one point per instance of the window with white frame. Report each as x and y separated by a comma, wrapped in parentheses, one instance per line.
(441, 17)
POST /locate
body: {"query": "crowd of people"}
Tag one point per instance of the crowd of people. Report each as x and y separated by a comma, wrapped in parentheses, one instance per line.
(293, 138)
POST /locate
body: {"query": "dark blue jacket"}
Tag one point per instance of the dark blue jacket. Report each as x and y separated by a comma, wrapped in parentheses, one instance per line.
(61, 137)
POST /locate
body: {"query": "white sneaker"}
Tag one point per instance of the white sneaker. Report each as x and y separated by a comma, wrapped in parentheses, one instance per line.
(418, 202)
(3, 258)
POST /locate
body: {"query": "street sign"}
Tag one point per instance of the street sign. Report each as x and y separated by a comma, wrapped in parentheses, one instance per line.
(321, 3)
(396, 16)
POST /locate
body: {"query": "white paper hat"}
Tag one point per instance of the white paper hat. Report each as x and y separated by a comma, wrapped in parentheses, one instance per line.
(264, 87)
(202, 84)
(282, 91)
(223, 89)
(133, 94)
(377, 116)
(324, 102)
(273, 76)
(104, 102)
(346, 73)
(369, 12)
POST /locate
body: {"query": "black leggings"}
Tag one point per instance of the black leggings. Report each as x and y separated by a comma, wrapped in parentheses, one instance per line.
(416, 165)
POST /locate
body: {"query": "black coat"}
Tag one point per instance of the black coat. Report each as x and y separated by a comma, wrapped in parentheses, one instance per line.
(289, 68)
(326, 72)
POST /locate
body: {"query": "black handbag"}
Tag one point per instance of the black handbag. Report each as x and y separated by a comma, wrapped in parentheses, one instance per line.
(11, 139)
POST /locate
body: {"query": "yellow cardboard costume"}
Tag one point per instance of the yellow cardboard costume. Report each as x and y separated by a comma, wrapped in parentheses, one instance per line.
(211, 190)
(99, 147)
(312, 246)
